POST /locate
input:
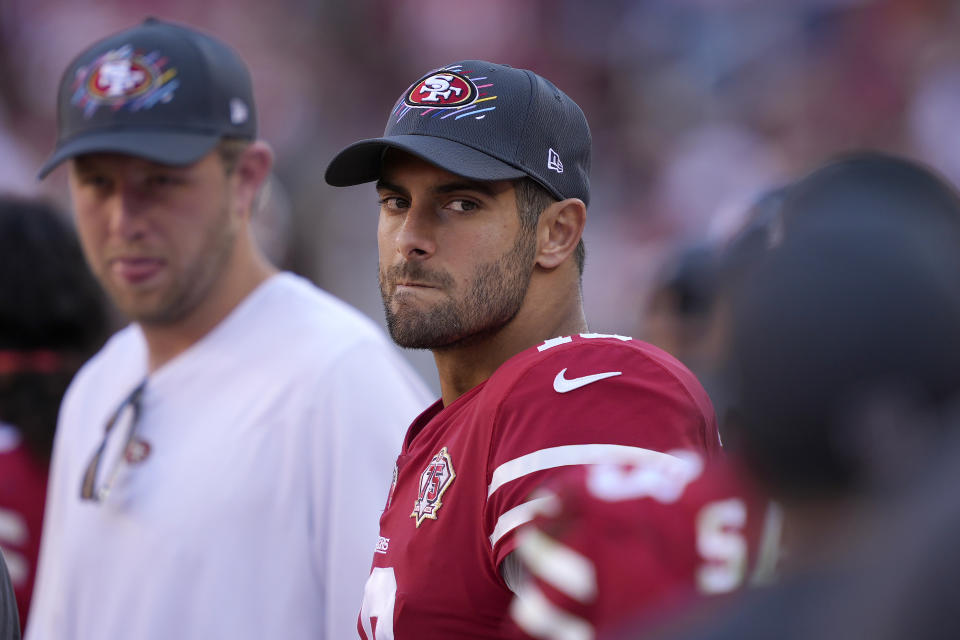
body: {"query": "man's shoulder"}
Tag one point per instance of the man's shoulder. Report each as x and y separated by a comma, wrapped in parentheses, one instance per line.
(103, 381)
(125, 351)
(589, 397)
(294, 305)
(310, 339)
(567, 364)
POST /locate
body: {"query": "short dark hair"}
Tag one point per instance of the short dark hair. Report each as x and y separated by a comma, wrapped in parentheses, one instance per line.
(532, 199)
(52, 316)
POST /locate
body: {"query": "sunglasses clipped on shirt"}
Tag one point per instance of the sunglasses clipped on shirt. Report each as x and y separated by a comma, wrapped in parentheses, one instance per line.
(128, 412)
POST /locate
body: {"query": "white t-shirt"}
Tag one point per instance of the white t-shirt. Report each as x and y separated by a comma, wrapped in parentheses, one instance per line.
(254, 515)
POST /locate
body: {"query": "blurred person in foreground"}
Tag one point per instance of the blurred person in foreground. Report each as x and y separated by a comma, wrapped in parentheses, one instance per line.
(219, 464)
(842, 374)
(482, 178)
(52, 318)
(916, 597)
(632, 545)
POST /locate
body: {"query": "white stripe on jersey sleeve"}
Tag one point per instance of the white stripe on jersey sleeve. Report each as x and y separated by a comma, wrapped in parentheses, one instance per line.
(570, 454)
(521, 514)
(563, 568)
(542, 619)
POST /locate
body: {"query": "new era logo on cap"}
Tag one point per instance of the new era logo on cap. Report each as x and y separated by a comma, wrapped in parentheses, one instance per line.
(239, 113)
(553, 161)
(483, 121)
(160, 91)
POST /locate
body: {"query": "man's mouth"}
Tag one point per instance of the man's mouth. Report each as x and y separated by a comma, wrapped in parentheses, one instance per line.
(134, 269)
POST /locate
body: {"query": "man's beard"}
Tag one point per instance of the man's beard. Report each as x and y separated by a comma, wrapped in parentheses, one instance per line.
(494, 298)
(192, 283)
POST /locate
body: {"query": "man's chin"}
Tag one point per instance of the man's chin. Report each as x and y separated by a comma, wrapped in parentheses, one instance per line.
(148, 312)
(413, 335)
(412, 338)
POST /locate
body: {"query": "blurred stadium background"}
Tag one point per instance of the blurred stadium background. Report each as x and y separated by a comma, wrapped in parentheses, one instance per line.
(696, 106)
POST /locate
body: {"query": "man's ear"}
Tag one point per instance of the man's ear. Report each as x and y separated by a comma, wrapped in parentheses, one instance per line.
(559, 229)
(251, 172)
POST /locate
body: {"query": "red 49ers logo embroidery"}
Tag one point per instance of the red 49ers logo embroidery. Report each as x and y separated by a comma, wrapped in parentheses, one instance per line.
(434, 480)
(120, 79)
(442, 89)
(124, 78)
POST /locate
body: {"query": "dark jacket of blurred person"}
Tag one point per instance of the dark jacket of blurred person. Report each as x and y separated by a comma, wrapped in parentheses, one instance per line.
(9, 625)
(842, 378)
(52, 318)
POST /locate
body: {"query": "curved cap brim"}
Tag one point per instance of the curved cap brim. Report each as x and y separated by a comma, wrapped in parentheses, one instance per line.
(164, 147)
(362, 161)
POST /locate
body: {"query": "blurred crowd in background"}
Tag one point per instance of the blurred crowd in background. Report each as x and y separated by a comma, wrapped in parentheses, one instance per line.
(696, 106)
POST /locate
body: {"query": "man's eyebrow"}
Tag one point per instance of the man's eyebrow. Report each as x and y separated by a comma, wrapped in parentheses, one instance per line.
(83, 163)
(486, 188)
(384, 185)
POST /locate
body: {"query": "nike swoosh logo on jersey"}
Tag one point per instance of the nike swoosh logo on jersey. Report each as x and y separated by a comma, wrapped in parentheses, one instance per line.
(563, 385)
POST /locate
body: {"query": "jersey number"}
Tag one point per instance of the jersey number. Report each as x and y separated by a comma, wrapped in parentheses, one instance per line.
(721, 543)
(379, 596)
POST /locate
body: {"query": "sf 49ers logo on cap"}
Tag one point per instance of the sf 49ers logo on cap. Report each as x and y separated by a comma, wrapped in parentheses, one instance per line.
(442, 90)
(124, 78)
(435, 479)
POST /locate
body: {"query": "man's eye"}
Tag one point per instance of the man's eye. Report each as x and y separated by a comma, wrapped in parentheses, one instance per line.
(94, 180)
(393, 202)
(162, 180)
(463, 205)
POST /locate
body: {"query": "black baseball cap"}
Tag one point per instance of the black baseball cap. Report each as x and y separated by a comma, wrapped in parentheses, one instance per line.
(159, 91)
(482, 121)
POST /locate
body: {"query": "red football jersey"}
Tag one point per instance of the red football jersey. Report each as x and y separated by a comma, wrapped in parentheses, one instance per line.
(639, 543)
(23, 489)
(464, 477)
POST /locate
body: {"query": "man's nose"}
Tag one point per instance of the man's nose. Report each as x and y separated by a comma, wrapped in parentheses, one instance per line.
(416, 237)
(126, 218)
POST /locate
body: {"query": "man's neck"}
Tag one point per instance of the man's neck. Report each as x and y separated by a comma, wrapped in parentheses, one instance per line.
(462, 368)
(166, 341)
